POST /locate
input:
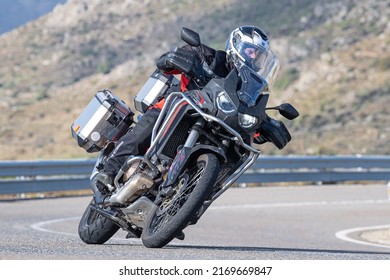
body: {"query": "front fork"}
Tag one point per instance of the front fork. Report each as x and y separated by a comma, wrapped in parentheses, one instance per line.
(184, 153)
(180, 161)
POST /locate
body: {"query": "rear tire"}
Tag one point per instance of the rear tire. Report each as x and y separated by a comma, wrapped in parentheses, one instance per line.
(167, 220)
(95, 228)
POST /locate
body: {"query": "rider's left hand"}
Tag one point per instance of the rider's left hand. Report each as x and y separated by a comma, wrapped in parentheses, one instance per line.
(185, 61)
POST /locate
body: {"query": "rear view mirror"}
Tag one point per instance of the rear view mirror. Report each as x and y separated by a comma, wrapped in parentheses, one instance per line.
(286, 110)
(190, 37)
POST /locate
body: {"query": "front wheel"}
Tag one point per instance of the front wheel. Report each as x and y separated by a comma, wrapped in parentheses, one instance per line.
(95, 228)
(176, 211)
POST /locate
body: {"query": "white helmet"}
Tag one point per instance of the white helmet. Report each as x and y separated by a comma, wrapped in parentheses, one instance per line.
(249, 45)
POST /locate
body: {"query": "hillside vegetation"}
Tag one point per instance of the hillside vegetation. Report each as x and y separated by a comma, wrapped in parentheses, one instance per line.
(335, 60)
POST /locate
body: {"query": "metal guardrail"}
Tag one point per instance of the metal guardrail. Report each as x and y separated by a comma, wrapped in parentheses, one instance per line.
(327, 169)
(44, 176)
(61, 175)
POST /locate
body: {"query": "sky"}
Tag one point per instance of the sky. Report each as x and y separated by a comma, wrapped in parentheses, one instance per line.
(14, 13)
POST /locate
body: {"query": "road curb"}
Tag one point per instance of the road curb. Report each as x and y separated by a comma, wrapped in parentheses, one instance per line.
(380, 236)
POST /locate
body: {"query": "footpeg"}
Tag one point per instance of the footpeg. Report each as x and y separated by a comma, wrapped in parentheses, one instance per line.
(131, 235)
(180, 235)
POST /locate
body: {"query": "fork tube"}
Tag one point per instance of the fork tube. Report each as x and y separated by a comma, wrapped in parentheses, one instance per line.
(194, 134)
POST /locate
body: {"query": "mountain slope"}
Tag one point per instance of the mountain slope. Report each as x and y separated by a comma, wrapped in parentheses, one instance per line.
(334, 55)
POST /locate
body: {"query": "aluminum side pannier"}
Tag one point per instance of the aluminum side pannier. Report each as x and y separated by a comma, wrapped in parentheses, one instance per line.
(106, 118)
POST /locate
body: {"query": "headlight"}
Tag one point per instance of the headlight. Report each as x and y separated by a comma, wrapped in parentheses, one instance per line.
(225, 104)
(247, 121)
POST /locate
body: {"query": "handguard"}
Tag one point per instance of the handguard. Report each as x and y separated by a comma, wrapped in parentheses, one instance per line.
(184, 61)
(275, 132)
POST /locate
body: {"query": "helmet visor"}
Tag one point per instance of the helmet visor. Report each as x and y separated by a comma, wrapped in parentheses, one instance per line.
(270, 68)
(253, 55)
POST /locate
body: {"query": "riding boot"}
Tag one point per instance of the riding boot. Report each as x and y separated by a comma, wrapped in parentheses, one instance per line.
(135, 142)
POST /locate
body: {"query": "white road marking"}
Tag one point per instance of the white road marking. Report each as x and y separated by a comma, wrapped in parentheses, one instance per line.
(343, 235)
(41, 225)
(297, 204)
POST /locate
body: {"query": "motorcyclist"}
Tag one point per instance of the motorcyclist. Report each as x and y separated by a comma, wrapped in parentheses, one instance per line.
(246, 45)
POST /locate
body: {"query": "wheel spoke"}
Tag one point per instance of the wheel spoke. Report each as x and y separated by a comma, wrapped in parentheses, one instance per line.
(170, 209)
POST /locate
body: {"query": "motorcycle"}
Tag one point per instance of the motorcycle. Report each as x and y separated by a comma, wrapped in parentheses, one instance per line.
(201, 144)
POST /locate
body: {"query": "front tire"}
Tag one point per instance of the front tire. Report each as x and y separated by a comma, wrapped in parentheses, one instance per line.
(175, 212)
(95, 228)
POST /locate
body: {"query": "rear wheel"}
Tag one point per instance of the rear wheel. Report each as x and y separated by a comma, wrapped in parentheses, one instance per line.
(95, 228)
(176, 210)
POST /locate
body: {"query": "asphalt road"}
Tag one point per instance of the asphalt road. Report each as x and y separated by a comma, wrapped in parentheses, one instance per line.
(275, 223)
